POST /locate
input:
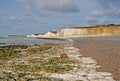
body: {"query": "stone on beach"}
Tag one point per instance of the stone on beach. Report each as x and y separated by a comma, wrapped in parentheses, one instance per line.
(63, 55)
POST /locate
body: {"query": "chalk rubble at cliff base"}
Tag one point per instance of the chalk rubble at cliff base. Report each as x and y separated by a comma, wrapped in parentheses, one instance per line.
(85, 71)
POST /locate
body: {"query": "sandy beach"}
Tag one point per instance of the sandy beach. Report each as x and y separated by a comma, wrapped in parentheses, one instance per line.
(105, 50)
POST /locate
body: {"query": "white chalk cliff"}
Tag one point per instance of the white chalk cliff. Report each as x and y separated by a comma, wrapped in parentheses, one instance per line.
(81, 32)
(89, 31)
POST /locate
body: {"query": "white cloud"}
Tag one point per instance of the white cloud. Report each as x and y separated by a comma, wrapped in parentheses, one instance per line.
(97, 13)
(118, 12)
(110, 7)
(28, 10)
(13, 18)
(62, 6)
(27, 7)
(96, 21)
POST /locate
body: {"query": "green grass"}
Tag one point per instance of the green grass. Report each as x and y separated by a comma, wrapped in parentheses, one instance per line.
(5, 76)
(8, 76)
(31, 65)
(44, 48)
(9, 52)
(38, 49)
(51, 65)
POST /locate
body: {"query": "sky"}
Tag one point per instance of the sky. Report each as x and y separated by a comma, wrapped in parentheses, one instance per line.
(21, 17)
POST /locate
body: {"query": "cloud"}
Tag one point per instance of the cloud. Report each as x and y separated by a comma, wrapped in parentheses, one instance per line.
(37, 21)
(109, 3)
(23, 1)
(26, 5)
(68, 24)
(34, 20)
(40, 13)
(110, 7)
(91, 20)
(27, 10)
(13, 18)
(97, 13)
(63, 6)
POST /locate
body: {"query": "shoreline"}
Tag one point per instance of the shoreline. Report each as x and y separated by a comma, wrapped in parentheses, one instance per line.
(61, 39)
(32, 41)
(105, 50)
(44, 61)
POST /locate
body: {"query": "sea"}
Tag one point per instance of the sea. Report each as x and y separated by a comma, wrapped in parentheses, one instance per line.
(24, 40)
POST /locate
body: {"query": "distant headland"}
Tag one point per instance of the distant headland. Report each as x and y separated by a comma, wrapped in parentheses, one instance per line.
(13, 36)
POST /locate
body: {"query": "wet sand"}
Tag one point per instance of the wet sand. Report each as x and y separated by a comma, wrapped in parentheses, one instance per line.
(105, 50)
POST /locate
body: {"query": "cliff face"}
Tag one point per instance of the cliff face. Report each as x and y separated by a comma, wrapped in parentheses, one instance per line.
(89, 31)
(81, 32)
(46, 35)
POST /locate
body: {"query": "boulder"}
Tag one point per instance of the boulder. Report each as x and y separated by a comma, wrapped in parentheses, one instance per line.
(63, 55)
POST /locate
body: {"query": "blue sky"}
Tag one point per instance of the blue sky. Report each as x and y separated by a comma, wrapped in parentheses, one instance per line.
(23, 17)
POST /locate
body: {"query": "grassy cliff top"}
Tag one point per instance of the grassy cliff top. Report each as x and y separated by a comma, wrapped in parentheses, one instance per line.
(105, 25)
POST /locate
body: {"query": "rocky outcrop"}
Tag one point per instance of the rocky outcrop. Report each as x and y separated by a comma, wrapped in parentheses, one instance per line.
(89, 31)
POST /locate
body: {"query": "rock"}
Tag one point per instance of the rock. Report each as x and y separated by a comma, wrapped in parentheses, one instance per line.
(63, 55)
